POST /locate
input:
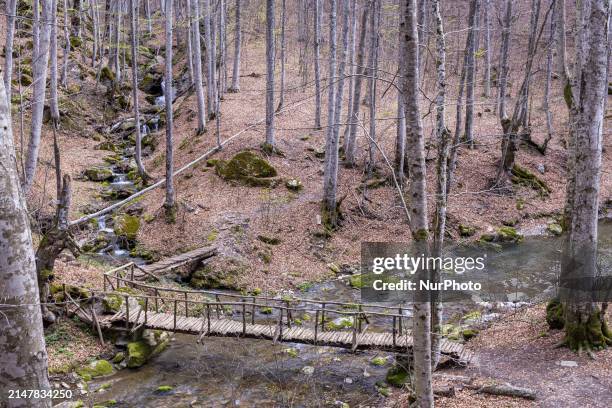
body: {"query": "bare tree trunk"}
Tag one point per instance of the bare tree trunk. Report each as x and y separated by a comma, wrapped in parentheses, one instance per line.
(317, 58)
(199, 88)
(134, 31)
(352, 68)
(53, 103)
(170, 203)
(415, 147)
(270, 55)
(189, 29)
(443, 138)
(237, 44)
(504, 52)
(560, 39)
(64, 77)
(549, 68)
(116, 42)
(350, 145)
(210, 61)
(487, 46)
(585, 324)
(471, 73)
(222, 86)
(35, 28)
(329, 207)
(374, 40)
(22, 344)
(400, 139)
(40, 64)
(281, 96)
(11, 13)
(96, 31)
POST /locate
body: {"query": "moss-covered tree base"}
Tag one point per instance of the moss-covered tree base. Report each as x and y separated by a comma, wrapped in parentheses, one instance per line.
(589, 335)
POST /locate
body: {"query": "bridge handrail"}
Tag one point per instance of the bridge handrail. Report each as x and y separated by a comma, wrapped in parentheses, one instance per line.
(217, 293)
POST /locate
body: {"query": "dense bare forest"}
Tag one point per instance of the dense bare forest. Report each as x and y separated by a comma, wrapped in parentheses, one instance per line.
(231, 203)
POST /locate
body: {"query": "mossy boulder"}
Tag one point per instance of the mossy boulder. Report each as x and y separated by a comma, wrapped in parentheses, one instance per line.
(57, 292)
(99, 173)
(397, 376)
(294, 184)
(269, 240)
(466, 230)
(107, 76)
(503, 234)
(151, 84)
(379, 361)
(554, 314)
(162, 389)
(119, 357)
(112, 303)
(223, 274)
(127, 226)
(522, 176)
(451, 331)
(554, 229)
(469, 333)
(248, 169)
(25, 79)
(95, 369)
(75, 42)
(138, 352)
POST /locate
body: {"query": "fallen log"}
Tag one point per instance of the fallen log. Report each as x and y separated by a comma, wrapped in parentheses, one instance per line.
(508, 390)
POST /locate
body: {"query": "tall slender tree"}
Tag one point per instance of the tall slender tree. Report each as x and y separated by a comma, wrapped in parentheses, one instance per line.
(22, 343)
(237, 45)
(470, 74)
(11, 14)
(134, 47)
(210, 61)
(317, 64)
(40, 62)
(487, 48)
(53, 102)
(281, 95)
(199, 87)
(350, 146)
(269, 144)
(170, 203)
(415, 146)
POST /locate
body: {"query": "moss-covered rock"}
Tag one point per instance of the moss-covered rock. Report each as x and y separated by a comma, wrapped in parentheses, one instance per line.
(466, 230)
(138, 352)
(294, 184)
(25, 79)
(99, 173)
(554, 314)
(219, 275)
(522, 176)
(379, 361)
(397, 376)
(451, 331)
(57, 292)
(127, 226)
(469, 333)
(95, 369)
(107, 75)
(503, 234)
(554, 229)
(164, 389)
(112, 303)
(119, 357)
(75, 42)
(248, 169)
(269, 240)
(152, 84)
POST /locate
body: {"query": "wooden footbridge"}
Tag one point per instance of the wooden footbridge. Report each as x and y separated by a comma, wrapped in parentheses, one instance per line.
(213, 313)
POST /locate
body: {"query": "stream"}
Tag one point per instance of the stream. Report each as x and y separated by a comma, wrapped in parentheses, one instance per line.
(257, 373)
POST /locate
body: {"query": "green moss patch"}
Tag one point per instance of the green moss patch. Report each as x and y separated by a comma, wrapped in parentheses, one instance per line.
(248, 169)
(98, 173)
(522, 176)
(95, 369)
(127, 226)
(138, 352)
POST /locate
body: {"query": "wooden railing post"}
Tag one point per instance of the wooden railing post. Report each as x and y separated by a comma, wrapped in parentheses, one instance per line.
(208, 316)
(253, 311)
(394, 318)
(156, 304)
(359, 318)
(400, 321)
(243, 317)
(323, 317)
(175, 302)
(127, 312)
(355, 316)
(186, 307)
(316, 326)
(280, 324)
(217, 305)
(288, 314)
(146, 306)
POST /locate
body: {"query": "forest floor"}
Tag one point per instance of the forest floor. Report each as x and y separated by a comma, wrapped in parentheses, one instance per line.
(520, 349)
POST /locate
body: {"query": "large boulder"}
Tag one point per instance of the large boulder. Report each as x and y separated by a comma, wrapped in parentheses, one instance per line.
(127, 226)
(219, 274)
(99, 173)
(247, 168)
(95, 369)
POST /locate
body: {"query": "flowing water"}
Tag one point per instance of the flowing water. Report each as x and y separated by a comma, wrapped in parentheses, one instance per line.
(256, 373)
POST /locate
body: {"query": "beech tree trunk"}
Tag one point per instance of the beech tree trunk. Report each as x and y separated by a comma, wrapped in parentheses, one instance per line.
(317, 64)
(40, 63)
(22, 344)
(330, 212)
(11, 12)
(237, 44)
(350, 145)
(372, 84)
(210, 61)
(415, 148)
(352, 68)
(487, 47)
(504, 52)
(134, 31)
(471, 73)
(64, 77)
(270, 75)
(281, 96)
(53, 102)
(170, 203)
(197, 48)
(585, 324)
